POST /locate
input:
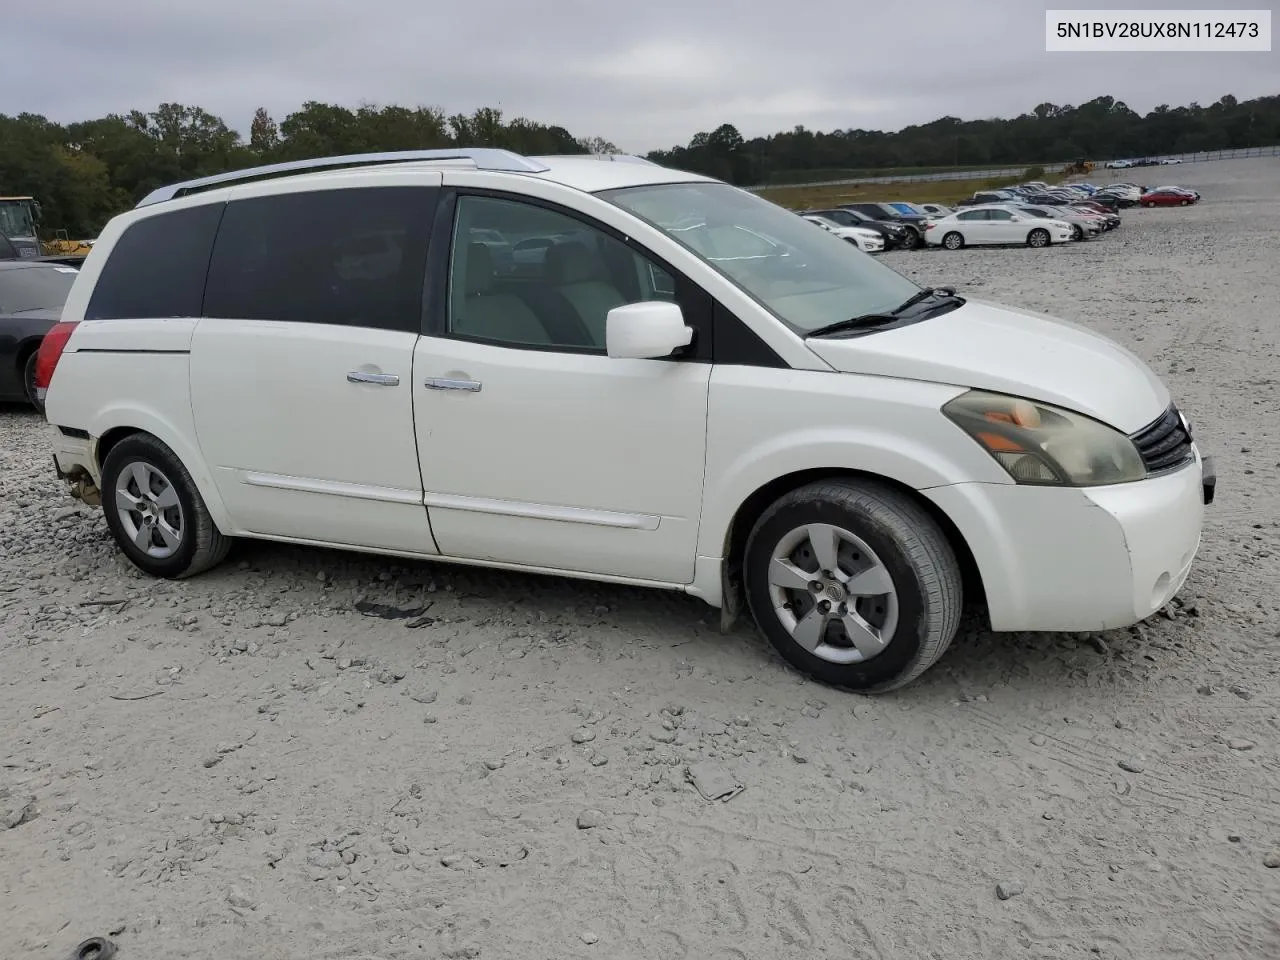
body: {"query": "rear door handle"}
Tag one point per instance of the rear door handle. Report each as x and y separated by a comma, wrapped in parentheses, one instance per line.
(444, 383)
(378, 379)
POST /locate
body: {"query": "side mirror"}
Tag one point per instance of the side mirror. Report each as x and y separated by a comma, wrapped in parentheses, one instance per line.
(646, 331)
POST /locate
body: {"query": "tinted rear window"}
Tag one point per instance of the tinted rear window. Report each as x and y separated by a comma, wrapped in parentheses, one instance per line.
(349, 257)
(157, 268)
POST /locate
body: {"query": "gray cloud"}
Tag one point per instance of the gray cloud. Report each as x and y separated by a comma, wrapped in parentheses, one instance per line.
(642, 76)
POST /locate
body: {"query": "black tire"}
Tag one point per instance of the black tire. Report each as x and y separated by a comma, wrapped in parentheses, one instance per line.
(953, 241)
(1076, 232)
(912, 549)
(910, 239)
(1039, 237)
(29, 381)
(201, 545)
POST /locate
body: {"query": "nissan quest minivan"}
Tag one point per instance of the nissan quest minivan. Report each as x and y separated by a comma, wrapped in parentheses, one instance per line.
(580, 366)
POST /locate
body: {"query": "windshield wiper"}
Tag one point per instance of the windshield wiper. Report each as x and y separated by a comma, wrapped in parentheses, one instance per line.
(923, 295)
(855, 323)
(868, 320)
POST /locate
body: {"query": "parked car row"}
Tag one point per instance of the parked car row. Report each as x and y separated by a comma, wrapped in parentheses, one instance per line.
(1144, 162)
(899, 225)
(1034, 213)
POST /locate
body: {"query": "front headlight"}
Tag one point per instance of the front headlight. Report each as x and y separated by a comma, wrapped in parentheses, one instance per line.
(1040, 444)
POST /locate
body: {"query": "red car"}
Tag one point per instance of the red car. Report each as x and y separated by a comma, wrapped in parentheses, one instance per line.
(1167, 198)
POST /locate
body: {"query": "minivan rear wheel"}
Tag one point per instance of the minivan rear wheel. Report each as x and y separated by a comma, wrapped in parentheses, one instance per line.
(854, 584)
(155, 511)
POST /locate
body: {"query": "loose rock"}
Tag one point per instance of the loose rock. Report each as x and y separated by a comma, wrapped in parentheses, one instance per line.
(1009, 888)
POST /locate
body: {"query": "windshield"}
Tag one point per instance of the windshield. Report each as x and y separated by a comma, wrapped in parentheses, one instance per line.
(15, 219)
(807, 278)
(35, 288)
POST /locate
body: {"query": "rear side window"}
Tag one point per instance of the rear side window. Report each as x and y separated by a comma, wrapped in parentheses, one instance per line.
(157, 267)
(350, 257)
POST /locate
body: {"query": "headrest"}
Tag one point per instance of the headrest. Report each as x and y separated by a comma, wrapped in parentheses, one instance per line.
(479, 269)
(573, 262)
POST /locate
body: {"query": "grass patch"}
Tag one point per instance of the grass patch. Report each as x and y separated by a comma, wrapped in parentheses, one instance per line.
(921, 191)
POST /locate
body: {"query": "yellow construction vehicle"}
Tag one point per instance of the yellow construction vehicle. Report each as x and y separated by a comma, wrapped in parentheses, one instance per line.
(18, 219)
(62, 245)
(19, 224)
(1079, 167)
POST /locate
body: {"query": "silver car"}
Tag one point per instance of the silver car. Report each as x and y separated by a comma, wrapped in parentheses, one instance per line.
(1083, 226)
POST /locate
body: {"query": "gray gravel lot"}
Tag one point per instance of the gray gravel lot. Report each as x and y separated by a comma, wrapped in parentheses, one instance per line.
(244, 764)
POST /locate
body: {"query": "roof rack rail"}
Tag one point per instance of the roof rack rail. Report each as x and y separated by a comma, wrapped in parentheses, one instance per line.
(485, 158)
(627, 158)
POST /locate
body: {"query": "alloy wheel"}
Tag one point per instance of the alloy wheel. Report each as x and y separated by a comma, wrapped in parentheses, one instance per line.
(832, 594)
(149, 509)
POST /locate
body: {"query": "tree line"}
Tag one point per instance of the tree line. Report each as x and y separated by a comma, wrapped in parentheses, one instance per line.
(84, 173)
(1102, 129)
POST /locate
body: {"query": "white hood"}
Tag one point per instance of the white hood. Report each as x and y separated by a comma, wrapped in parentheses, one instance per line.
(989, 347)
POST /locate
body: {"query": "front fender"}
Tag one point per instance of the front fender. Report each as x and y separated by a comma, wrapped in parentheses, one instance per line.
(759, 432)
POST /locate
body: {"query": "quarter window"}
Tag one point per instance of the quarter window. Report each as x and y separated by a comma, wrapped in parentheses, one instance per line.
(523, 275)
(157, 267)
(349, 257)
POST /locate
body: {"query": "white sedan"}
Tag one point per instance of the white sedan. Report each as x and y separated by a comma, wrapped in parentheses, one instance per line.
(994, 225)
(868, 241)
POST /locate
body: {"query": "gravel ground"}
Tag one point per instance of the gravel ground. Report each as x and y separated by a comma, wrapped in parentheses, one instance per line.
(247, 764)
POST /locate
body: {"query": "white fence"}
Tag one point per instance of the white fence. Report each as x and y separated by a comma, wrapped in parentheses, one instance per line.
(990, 173)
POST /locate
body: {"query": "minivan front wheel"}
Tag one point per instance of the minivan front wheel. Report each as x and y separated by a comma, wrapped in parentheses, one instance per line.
(155, 512)
(854, 584)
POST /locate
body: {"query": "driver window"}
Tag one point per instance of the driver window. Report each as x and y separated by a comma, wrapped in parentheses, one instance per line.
(525, 276)
(999, 215)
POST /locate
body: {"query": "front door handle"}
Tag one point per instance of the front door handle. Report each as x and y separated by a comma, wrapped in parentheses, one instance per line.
(444, 383)
(378, 379)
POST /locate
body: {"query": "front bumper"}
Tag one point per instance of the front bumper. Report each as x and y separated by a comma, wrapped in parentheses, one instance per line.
(1062, 559)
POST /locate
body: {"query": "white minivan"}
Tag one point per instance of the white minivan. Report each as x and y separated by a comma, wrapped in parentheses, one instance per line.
(365, 352)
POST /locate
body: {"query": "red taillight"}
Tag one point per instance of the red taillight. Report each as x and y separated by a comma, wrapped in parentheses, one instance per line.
(50, 353)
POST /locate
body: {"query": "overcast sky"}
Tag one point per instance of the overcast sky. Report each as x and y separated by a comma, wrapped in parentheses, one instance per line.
(643, 75)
